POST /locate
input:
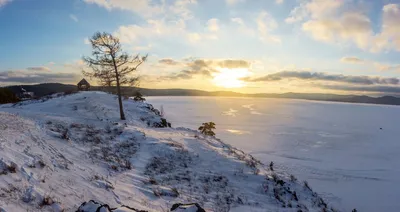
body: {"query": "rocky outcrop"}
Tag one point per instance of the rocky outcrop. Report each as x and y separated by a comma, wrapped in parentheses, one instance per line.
(187, 207)
(93, 206)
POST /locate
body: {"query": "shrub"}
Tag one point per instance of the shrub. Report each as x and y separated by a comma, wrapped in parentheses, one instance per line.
(7, 96)
(12, 168)
(293, 178)
(139, 97)
(207, 128)
(47, 200)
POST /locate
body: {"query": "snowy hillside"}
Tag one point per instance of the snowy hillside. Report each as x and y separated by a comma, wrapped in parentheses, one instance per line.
(57, 154)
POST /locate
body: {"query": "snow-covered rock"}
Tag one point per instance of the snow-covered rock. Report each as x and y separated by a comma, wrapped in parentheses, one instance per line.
(72, 149)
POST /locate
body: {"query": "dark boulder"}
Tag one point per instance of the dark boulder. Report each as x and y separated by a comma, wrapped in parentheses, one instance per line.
(93, 206)
(187, 207)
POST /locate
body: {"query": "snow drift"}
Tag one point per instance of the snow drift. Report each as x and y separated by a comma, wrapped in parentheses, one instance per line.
(57, 153)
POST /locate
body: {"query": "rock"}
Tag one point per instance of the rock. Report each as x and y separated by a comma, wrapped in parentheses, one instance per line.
(57, 207)
(29, 194)
(164, 191)
(193, 207)
(93, 206)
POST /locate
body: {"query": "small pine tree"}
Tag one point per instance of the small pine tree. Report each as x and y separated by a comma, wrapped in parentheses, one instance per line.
(139, 97)
(207, 128)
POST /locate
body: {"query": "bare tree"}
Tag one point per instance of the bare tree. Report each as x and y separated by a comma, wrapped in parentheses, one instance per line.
(110, 65)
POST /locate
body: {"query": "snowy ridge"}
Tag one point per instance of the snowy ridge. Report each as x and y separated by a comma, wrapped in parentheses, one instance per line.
(59, 153)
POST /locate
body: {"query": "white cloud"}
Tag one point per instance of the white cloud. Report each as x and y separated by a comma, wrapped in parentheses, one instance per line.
(148, 8)
(141, 7)
(233, 2)
(315, 9)
(73, 17)
(350, 27)
(379, 66)
(265, 25)
(279, 1)
(351, 60)
(181, 9)
(238, 21)
(242, 27)
(194, 37)
(143, 48)
(4, 2)
(336, 22)
(389, 38)
(212, 25)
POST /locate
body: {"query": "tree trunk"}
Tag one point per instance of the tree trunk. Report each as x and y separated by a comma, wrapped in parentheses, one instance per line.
(121, 107)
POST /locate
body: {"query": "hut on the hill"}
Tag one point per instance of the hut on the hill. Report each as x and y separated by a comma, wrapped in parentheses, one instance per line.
(83, 85)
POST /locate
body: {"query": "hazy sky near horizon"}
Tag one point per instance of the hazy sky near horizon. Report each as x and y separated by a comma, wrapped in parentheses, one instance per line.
(253, 46)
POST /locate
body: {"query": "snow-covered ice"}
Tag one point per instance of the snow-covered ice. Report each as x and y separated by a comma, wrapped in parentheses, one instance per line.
(348, 153)
(57, 154)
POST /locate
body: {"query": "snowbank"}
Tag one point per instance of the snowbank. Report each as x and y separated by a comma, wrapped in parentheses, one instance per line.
(57, 154)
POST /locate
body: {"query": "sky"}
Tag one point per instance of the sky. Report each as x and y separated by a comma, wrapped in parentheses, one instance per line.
(249, 46)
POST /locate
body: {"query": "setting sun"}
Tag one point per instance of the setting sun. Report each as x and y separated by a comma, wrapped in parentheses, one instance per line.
(230, 78)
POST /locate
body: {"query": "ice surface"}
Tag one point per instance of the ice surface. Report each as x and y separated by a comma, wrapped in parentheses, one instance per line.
(349, 153)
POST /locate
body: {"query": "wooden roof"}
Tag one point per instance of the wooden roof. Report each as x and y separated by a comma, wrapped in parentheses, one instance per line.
(83, 82)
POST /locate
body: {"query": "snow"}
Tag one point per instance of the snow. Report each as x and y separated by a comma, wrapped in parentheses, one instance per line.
(339, 148)
(59, 152)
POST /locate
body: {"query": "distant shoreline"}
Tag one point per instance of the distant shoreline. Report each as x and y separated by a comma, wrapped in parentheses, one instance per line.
(49, 88)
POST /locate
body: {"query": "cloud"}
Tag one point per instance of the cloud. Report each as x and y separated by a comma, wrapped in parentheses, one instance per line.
(234, 2)
(349, 27)
(320, 76)
(344, 22)
(40, 68)
(279, 1)
(73, 17)
(370, 63)
(4, 2)
(202, 67)
(160, 30)
(242, 27)
(143, 48)
(179, 9)
(212, 25)
(22, 76)
(187, 74)
(238, 21)
(265, 25)
(194, 37)
(168, 61)
(389, 37)
(386, 67)
(140, 7)
(351, 60)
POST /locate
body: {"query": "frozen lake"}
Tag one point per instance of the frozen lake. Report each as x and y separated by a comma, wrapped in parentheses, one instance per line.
(349, 153)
